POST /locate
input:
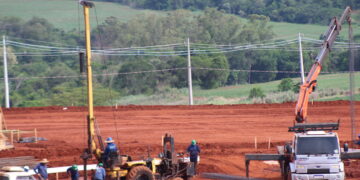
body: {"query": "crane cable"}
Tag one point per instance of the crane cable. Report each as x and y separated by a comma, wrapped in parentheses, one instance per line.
(83, 81)
(109, 86)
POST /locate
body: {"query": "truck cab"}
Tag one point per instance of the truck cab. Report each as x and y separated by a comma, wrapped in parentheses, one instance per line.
(16, 173)
(316, 155)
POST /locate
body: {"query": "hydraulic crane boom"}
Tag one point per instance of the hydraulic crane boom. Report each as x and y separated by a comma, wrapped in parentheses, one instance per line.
(310, 83)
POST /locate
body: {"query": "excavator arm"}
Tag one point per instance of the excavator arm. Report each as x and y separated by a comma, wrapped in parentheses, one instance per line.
(310, 83)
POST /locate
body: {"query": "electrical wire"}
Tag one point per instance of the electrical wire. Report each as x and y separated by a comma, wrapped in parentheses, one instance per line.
(166, 70)
(177, 49)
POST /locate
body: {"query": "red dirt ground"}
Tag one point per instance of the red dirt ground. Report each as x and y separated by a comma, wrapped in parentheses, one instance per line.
(224, 133)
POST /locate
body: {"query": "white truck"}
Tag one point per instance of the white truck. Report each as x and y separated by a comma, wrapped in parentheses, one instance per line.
(16, 173)
(315, 150)
(24, 173)
(316, 155)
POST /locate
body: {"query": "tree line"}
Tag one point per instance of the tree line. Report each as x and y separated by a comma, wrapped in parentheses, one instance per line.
(293, 11)
(211, 26)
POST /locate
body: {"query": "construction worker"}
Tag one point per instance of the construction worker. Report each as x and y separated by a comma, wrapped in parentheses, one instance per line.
(194, 151)
(111, 153)
(41, 169)
(99, 172)
(358, 141)
(73, 172)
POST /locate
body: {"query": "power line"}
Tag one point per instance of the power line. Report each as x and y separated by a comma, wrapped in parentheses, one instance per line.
(177, 49)
(166, 70)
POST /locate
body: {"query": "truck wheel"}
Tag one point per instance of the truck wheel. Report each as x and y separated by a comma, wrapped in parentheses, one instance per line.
(140, 173)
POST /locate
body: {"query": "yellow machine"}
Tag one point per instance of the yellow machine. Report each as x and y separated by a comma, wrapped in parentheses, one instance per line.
(169, 165)
(124, 168)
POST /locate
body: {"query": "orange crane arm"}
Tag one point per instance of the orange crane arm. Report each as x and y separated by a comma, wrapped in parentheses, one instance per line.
(310, 83)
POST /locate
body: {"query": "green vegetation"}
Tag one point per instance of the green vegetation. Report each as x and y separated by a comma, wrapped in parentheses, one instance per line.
(256, 92)
(64, 14)
(330, 87)
(296, 11)
(331, 81)
(67, 14)
(286, 84)
(148, 79)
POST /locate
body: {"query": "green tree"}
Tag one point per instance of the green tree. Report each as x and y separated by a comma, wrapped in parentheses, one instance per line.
(68, 94)
(135, 77)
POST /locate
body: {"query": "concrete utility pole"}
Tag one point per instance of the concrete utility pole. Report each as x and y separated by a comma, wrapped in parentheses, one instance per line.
(352, 82)
(7, 100)
(301, 61)
(189, 75)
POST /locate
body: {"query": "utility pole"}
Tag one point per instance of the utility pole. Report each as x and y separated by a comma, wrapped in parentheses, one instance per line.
(301, 61)
(189, 75)
(352, 82)
(6, 80)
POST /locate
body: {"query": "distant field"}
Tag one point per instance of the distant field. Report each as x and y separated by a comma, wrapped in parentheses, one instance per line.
(65, 14)
(330, 87)
(332, 81)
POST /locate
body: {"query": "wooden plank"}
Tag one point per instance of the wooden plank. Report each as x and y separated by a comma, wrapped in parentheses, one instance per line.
(350, 155)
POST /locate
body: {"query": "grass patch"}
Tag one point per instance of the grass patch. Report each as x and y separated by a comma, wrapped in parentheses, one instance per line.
(65, 14)
(340, 81)
(330, 87)
(167, 96)
(341, 97)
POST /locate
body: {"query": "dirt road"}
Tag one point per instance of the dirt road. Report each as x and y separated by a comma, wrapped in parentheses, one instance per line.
(224, 133)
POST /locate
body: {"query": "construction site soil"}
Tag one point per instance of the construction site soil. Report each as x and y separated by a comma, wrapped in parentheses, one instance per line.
(224, 132)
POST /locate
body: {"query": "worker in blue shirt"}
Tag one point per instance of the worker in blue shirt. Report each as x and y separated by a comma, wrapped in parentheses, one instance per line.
(41, 169)
(194, 152)
(110, 153)
(358, 141)
(73, 172)
(99, 172)
(111, 146)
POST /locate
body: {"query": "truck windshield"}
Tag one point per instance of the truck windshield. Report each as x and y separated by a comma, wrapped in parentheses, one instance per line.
(317, 145)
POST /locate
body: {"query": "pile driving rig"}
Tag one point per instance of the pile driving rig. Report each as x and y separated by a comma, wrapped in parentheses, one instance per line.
(167, 166)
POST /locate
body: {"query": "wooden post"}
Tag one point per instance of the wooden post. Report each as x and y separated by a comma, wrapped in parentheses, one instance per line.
(255, 142)
(35, 134)
(57, 176)
(247, 163)
(269, 144)
(18, 135)
(12, 137)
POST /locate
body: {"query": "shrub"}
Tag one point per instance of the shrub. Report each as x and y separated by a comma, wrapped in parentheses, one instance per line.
(256, 92)
(286, 85)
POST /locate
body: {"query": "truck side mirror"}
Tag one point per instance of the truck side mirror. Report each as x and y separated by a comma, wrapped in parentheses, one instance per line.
(346, 147)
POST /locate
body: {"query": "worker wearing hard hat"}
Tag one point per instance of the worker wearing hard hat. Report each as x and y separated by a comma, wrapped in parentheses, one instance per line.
(73, 172)
(194, 152)
(41, 169)
(99, 172)
(110, 153)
